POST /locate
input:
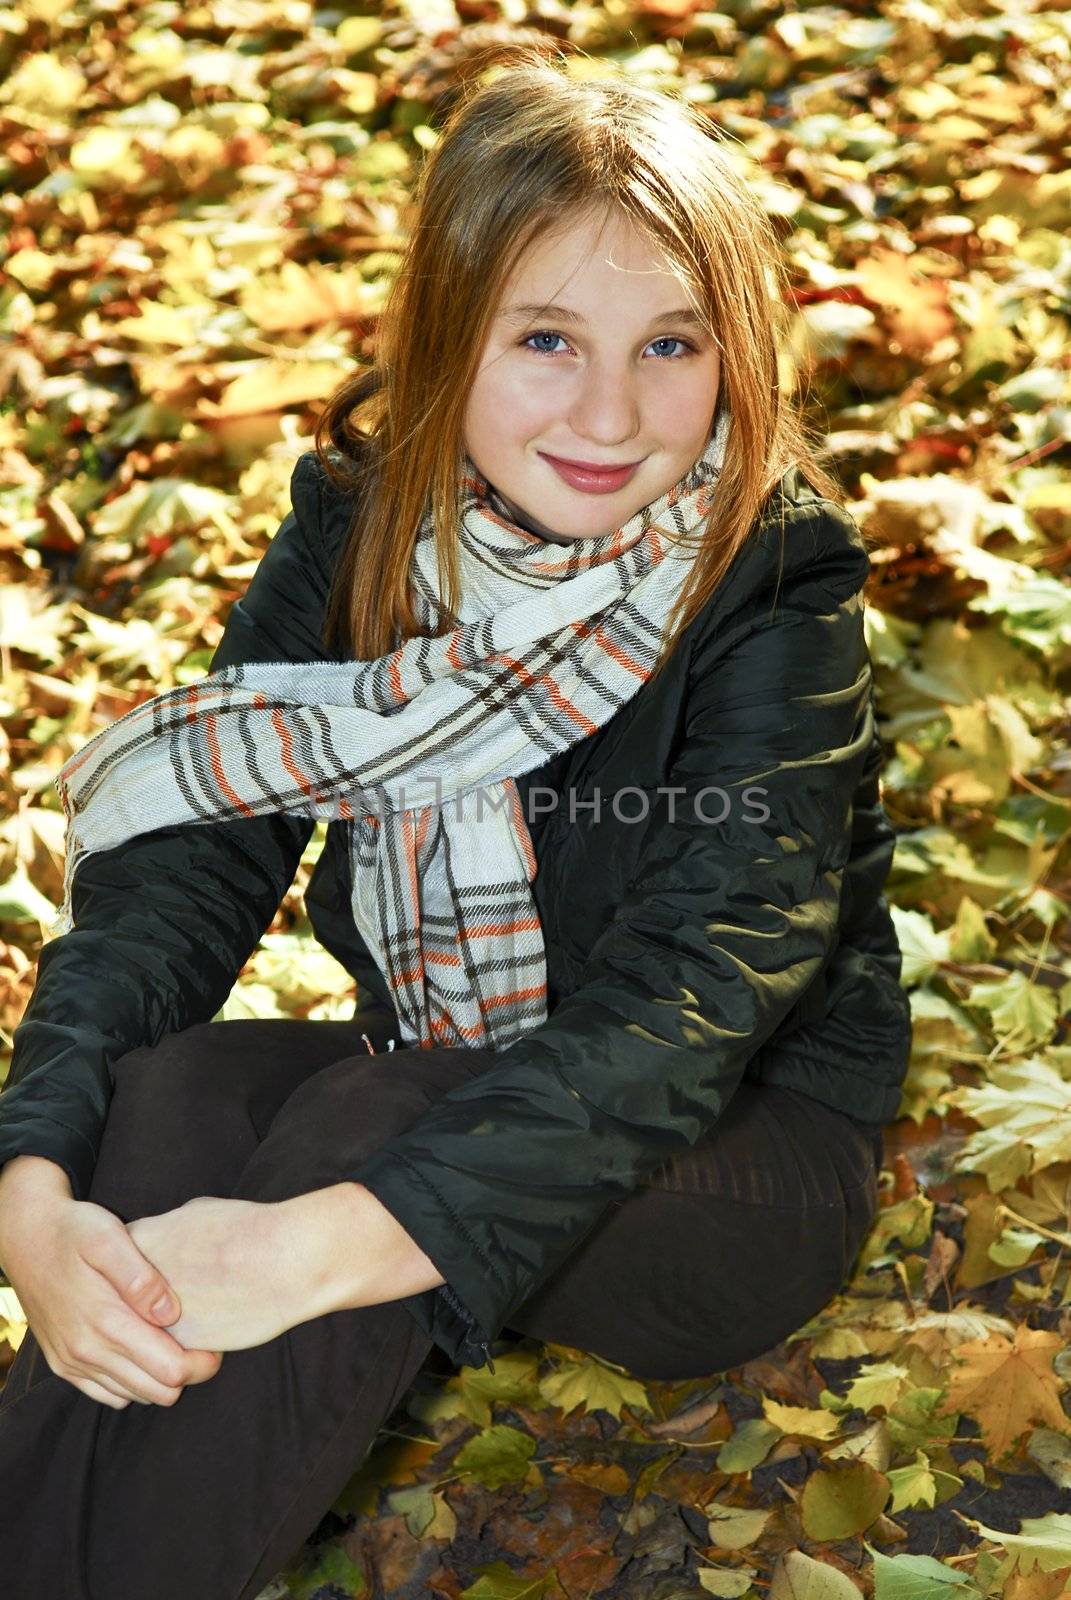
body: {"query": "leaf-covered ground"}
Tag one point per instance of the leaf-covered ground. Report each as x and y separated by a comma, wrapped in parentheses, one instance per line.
(203, 207)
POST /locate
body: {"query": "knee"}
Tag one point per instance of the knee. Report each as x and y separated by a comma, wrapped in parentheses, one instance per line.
(173, 1130)
(374, 1097)
(180, 1069)
(344, 1113)
(384, 1092)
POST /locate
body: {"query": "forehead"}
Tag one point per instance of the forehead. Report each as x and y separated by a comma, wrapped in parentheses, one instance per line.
(576, 269)
(525, 311)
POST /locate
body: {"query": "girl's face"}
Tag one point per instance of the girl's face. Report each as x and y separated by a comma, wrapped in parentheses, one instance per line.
(617, 372)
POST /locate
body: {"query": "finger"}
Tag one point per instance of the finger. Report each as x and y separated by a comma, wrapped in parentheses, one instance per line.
(77, 1370)
(161, 1359)
(142, 1286)
(121, 1333)
(134, 1381)
(147, 1291)
(148, 1366)
(96, 1391)
(206, 1366)
(103, 1368)
(103, 1381)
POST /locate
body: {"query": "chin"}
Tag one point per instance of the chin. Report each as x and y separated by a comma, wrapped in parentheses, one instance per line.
(558, 513)
(571, 526)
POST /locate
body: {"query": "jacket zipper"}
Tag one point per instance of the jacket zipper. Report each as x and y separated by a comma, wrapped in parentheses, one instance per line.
(466, 1316)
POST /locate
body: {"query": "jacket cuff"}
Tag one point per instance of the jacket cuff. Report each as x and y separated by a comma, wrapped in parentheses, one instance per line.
(471, 1279)
(65, 1146)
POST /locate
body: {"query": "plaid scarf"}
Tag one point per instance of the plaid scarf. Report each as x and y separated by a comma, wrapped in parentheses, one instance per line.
(417, 751)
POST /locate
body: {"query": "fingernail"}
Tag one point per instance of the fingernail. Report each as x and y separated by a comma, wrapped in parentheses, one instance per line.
(162, 1306)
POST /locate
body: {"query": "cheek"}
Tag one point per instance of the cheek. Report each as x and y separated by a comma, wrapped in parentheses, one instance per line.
(695, 392)
(684, 414)
(506, 403)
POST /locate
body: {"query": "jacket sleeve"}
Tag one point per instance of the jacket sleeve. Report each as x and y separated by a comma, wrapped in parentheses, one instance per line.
(164, 922)
(723, 928)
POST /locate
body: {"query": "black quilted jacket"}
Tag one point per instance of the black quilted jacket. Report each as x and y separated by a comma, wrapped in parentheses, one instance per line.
(683, 953)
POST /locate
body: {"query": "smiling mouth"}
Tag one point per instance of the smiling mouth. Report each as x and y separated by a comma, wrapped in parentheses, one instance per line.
(594, 467)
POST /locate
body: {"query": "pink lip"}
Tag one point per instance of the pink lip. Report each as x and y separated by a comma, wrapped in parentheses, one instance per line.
(590, 466)
(592, 479)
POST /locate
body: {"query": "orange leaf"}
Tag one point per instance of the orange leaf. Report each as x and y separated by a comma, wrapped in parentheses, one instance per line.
(916, 308)
(1007, 1386)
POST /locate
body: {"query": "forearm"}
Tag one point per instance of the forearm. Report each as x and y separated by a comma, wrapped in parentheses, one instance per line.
(36, 1172)
(350, 1251)
(26, 1184)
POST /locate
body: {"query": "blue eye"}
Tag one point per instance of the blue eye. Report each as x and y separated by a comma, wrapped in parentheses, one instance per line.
(541, 333)
(671, 338)
(548, 333)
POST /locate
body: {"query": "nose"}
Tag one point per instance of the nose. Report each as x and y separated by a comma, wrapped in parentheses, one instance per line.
(605, 407)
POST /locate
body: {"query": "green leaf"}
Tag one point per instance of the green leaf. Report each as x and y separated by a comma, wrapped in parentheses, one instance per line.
(879, 1383)
(500, 1582)
(970, 938)
(1014, 1246)
(498, 1455)
(1025, 1112)
(416, 1505)
(749, 1444)
(1022, 1013)
(912, 1421)
(473, 1391)
(922, 945)
(842, 1500)
(918, 1578)
(1043, 1542)
(910, 1221)
(914, 1485)
(332, 1567)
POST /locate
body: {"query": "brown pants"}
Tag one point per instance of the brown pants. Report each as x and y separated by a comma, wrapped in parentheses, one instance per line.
(726, 1250)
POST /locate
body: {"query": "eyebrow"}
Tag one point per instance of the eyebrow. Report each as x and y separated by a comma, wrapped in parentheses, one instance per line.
(525, 313)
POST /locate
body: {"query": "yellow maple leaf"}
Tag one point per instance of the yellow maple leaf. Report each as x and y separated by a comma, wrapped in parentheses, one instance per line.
(1007, 1385)
(595, 1385)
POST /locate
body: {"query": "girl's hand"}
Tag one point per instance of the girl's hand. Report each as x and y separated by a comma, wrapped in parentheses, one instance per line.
(88, 1294)
(232, 1265)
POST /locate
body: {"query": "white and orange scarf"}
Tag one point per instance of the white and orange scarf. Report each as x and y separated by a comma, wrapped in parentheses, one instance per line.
(417, 751)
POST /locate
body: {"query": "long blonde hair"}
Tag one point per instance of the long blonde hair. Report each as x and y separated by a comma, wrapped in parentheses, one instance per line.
(520, 152)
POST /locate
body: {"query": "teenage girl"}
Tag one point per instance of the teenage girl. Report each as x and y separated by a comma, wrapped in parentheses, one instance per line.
(627, 1034)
